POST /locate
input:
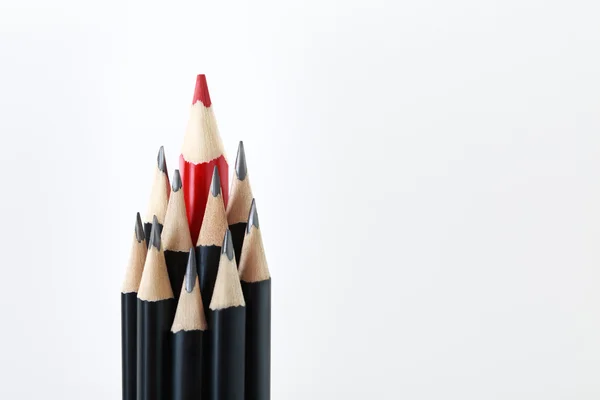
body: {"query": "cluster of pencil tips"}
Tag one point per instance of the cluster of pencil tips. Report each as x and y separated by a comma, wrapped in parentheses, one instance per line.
(196, 319)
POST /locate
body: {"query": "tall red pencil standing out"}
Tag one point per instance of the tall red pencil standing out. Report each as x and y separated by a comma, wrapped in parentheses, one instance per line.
(202, 149)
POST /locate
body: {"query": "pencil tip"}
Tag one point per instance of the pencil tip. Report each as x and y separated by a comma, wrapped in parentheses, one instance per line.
(176, 183)
(155, 234)
(139, 229)
(215, 185)
(161, 161)
(201, 91)
(240, 162)
(252, 217)
(227, 245)
(191, 272)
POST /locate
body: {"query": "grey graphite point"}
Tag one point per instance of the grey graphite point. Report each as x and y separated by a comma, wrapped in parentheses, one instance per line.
(139, 228)
(252, 217)
(176, 184)
(240, 163)
(190, 272)
(155, 233)
(227, 245)
(161, 161)
(215, 184)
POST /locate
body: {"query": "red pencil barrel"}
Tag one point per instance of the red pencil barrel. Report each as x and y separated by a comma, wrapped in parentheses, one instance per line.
(196, 180)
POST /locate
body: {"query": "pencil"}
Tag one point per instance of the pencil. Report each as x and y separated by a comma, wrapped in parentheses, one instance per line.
(227, 329)
(176, 236)
(238, 206)
(159, 195)
(156, 310)
(188, 334)
(208, 247)
(129, 291)
(256, 286)
(202, 149)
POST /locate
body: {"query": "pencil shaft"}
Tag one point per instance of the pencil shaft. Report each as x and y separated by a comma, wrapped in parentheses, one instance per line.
(207, 259)
(187, 365)
(227, 360)
(238, 232)
(154, 351)
(196, 186)
(176, 264)
(128, 344)
(258, 339)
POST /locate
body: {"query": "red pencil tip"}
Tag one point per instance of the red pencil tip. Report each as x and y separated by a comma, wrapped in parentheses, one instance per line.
(201, 91)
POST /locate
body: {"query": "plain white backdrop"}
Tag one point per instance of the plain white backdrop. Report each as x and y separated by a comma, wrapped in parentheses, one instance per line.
(427, 175)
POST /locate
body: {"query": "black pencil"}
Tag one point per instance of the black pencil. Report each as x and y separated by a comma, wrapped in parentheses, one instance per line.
(208, 247)
(227, 329)
(256, 286)
(240, 198)
(188, 334)
(131, 284)
(159, 195)
(156, 309)
(176, 237)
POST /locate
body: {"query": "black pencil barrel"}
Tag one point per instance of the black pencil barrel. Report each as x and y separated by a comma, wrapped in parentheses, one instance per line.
(176, 264)
(187, 365)
(207, 258)
(258, 339)
(129, 344)
(238, 233)
(228, 347)
(153, 349)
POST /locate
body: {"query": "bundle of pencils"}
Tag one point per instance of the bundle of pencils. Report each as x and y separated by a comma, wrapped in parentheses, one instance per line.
(196, 319)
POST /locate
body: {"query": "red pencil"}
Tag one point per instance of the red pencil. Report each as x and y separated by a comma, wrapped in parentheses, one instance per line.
(202, 149)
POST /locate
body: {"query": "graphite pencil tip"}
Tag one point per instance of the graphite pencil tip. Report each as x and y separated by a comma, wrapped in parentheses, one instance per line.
(191, 272)
(161, 161)
(176, 184)
(215, 185)
(228, 245)
(240, 162)
(155, 234)
(201, 91)
(252, 217)
(139, 228)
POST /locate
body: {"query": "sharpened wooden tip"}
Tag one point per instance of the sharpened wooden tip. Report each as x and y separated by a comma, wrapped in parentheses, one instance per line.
(240, 195)
(159, 194)
(214, 222)
(155, 284)
(176, 230)
(228, 290)
(190, 310)
(253, 262)
(202, 141)
(137, 258)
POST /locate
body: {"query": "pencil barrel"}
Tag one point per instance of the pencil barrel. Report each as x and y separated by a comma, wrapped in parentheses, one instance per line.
(196, 184)
(129, 344)
(153, 349)
(207, 259)
(176, 264)
(187, 365)
(238, 232)
(228, 351)
(258, 339)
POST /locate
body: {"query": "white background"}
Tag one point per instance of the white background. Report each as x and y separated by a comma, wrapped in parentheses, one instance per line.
(427, 176)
